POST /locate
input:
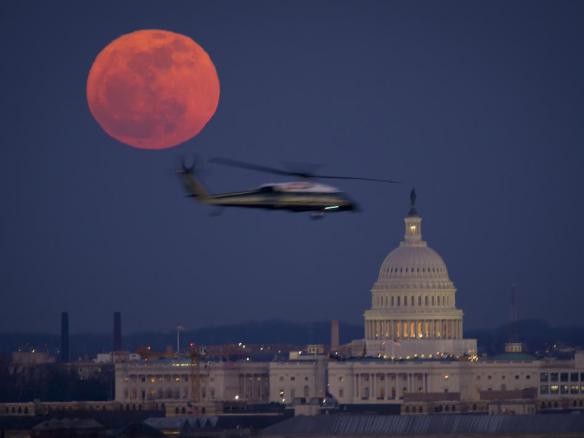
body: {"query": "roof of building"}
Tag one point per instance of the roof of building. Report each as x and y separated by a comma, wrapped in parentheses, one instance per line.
(513, 357)
(361, 425)
(68, 424)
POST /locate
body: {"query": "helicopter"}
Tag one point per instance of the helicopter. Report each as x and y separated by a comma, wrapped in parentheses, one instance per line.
(297, 196)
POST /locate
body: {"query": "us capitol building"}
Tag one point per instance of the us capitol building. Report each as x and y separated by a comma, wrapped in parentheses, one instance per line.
(413, 359)
(413, 302)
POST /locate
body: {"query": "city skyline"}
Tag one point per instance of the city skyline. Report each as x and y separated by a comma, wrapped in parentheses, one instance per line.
(487, 127)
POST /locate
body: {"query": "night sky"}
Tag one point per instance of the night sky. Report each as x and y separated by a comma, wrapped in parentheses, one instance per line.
(480, 105)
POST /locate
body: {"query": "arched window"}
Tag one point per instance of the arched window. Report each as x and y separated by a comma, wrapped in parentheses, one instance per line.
(419, 300)
(426, 300)
(433, 300)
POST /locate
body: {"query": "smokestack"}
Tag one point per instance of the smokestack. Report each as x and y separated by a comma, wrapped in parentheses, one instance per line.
(65, 337)
(334, 335)
(117, 332)
(513, 333)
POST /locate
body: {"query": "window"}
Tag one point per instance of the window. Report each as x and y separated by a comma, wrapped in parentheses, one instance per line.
(553, 377)
(419, 300)
(392, 301)
(426, 300)
(544, 377)
(563, 377)
(405, 301)
(554, 389)
(398, 299)
(574, 377)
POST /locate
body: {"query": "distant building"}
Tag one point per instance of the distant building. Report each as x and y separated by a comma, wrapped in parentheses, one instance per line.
(413, 360)
(117, 356)
(31, 358)
(180, 380)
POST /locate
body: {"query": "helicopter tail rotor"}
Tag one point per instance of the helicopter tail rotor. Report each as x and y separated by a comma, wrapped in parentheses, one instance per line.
(191, 184)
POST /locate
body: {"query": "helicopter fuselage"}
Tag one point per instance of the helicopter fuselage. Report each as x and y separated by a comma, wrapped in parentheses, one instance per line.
(293, 196)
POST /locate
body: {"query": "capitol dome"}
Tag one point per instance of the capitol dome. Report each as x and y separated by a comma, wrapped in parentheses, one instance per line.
(413, 262)
(413, 297)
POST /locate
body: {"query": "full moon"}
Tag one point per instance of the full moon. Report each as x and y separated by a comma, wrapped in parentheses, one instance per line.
(152, 89)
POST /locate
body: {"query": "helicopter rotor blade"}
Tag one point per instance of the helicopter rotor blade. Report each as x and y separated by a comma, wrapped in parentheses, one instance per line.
(273, 170)
(389, 181)
(257, 167)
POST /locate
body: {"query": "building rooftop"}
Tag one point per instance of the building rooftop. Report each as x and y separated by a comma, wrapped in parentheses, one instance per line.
(460, 425)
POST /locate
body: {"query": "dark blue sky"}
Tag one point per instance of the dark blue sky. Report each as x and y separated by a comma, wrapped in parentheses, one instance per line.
(480, 105)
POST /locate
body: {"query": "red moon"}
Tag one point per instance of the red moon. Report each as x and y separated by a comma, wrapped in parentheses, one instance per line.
(152, 89)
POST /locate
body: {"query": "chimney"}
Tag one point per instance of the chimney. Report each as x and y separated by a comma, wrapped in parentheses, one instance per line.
(64, 337)
(334, 335)
(117, 346)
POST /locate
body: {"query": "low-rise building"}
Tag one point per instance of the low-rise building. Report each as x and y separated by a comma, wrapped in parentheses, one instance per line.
(182, 380)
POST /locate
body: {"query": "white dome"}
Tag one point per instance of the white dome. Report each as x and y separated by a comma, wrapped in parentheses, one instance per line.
(413, 265)
(408, 262)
